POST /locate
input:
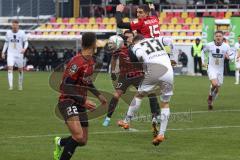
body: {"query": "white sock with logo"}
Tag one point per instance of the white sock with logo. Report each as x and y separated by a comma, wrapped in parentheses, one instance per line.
(134, 106)
(165, 113)
(10, 78)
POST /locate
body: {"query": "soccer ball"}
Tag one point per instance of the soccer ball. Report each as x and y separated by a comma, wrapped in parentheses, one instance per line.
(114, 43)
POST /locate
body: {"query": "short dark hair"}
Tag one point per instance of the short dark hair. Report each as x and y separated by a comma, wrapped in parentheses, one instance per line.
(138, 37)
(128, 31)
(88, 39)
(221, 32)
(15, 21)
(145, 8)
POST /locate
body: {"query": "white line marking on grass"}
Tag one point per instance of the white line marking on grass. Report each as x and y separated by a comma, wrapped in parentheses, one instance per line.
(122, 131)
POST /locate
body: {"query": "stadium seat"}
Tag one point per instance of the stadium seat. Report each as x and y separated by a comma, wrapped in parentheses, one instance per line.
(78, 20)
(58, 33)
(59, 20)
(77, 33)
(228, 15)
(187, 41)
(193, 27)
(188, 21)
(49, 26)
(191, 14)
(112, 20)
(170, 15)
(92, 20)
(71, 33)
(85, 20)
(178, 27)
(171, 27)
(75, 26)
(65, 20)
(189, 33)
(169, 34)
(45, 33)
(161, 34)
(62, 26)
(88, 26)
(72, 20)
(52, 33)
(220, 15)
(197, 34)
(177, 14)
(199, 27)
(95, 26)
(163, 15)
(181, 21)
(174, 20)
(180, 41)
(126, 19)
(65, 33)
(196, 20)
(114, 27)
(81, 27)
(109, 27)
(44, 26)
(52, 20)
(185, 27)
(206, 14)
(99, 20)
(102, 26)
(105, 20)
(166, 20)
(236, 14)
(69, 26)
(175, 34)
(213, 14)
(39, 33)
(184, 15)
(182, 34)
(163, 27)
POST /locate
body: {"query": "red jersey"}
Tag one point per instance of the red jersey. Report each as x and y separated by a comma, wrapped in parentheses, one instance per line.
(148, 27)
(127, 68)
(78, 70)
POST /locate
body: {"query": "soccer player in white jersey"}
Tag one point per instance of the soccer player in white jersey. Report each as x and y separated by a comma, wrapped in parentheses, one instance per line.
(158, 78)
(217, 52)
(16, 44)
(237, 60)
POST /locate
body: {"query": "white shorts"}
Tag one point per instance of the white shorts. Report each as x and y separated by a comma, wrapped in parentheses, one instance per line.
(162, 86)
(217, 75)
(17, 61)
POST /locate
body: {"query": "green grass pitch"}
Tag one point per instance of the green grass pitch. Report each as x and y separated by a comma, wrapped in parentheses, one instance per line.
(28, 124)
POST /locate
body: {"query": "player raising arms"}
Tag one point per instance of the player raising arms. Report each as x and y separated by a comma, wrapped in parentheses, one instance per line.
(159, 74)
(130, 74)
(73, 100)
(217, 52)
(16, 44)
(146, 24)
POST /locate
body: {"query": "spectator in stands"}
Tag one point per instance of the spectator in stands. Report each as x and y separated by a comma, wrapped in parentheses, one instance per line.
(196, 54)
(183, 59)
(42, 59)
(68, 54)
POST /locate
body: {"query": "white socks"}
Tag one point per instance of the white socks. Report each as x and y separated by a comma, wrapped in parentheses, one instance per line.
(10, 79)
(134, 106)
(20, 80)
(237, 76)
(165, 113)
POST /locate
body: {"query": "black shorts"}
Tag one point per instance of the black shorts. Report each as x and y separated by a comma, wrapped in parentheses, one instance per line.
(69, 108)
(124, 82)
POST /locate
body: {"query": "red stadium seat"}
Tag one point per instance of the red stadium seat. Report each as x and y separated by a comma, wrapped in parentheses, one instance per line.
(221, 15)
(189, 33)
(79, 20)
(55, 26)
(185, 27)
(205, 14)
(78, 33)
(65, 33)
(161, 34)
(166, 20)
(191, 14)
(181, 20)
(177, 14)
(214, 14)
(167, 34)
(65, 20)
(53, 20)
(85, 20)
(102, 26)
(69, 26)
(170, 15)
(236, 14)
(99, 20)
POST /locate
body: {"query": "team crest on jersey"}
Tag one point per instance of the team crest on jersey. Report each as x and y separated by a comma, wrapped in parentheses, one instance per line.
(73, 69)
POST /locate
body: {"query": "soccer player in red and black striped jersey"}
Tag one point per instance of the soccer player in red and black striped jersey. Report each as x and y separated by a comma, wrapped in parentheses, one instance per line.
(147, 22)
(73, 103)
(131, 74)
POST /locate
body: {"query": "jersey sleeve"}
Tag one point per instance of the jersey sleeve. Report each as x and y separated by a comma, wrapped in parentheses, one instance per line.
(6, 37)
(136, 25)
(205, 50)
(230, 52)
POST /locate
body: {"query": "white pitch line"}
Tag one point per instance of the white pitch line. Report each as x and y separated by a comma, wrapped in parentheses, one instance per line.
(123, 131)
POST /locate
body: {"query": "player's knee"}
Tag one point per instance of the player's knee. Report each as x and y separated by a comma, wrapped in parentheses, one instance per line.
(79, 138)
(165, 99)
(117, 95)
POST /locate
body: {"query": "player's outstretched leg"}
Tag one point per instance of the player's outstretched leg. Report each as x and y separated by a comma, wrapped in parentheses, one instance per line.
(10, 77)
(20, 79)
(111, 108)
(214, 89)
(165, 114)
(155, 110)
(134, 106)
